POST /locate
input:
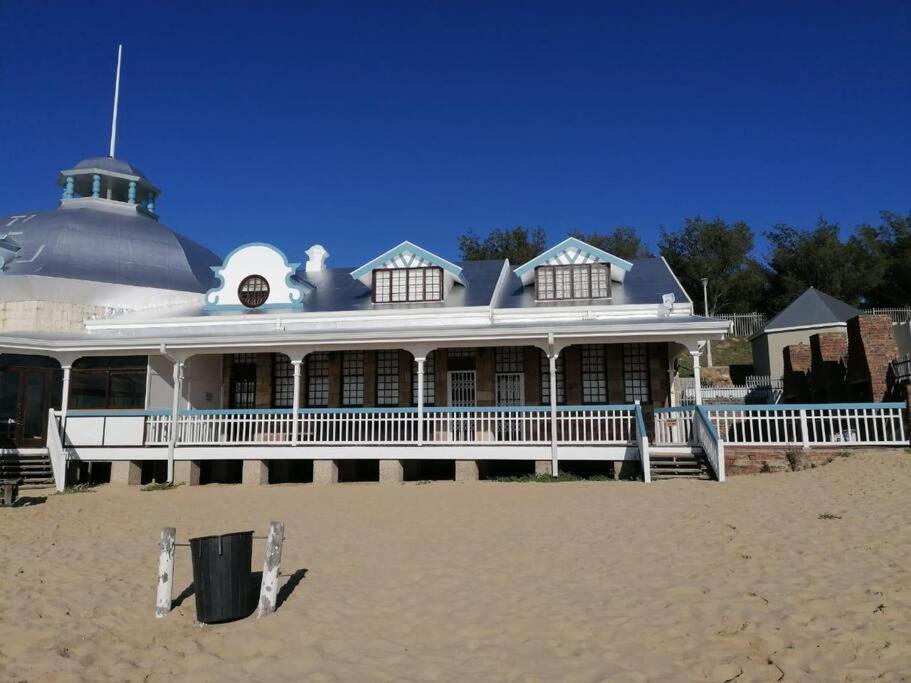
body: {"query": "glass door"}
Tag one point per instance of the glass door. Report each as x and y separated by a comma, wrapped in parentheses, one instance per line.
(34, 401)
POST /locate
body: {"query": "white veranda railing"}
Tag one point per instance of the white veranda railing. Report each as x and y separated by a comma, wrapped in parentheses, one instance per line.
(706, 436)
(520, 425)
(835, 424)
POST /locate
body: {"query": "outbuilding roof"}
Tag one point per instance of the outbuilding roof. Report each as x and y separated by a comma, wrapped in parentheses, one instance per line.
(813, 308)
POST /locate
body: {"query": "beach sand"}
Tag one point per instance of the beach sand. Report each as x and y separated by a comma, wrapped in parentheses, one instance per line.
(482, 581)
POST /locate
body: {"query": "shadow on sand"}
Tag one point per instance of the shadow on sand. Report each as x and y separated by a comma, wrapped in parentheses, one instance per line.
(256, 578)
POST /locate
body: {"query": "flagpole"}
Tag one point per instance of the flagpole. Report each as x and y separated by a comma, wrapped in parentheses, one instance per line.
(116, 100)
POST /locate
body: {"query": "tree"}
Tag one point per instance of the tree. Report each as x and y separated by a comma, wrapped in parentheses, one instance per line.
(886, 253)
(718, 251)
(622, 241)
(515, 244)
(819, 258)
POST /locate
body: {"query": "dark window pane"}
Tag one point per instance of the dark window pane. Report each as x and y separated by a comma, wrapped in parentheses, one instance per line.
(89, 389)
(128, 389)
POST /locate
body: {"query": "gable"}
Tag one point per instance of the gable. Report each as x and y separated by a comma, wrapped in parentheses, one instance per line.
(573, 251)
(407, 255)
(267, 262)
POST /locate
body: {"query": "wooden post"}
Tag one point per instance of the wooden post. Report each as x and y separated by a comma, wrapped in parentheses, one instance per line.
(268, 592)
(165, 571)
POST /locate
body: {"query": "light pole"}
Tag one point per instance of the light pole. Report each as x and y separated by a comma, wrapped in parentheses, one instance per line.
(705, 298)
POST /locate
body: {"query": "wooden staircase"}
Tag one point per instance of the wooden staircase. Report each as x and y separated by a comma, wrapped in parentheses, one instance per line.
(678, 462)
(32, 464)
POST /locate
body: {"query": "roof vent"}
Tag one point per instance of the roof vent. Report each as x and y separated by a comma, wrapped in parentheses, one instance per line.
(316, 258)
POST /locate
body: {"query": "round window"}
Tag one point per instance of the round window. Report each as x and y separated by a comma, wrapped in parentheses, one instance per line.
(253, 291)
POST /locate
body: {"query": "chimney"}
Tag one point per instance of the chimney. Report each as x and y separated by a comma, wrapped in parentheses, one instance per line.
(316, 258)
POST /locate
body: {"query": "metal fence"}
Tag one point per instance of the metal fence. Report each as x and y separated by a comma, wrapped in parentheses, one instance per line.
(898, 315)
(748, 324)
(744, 324)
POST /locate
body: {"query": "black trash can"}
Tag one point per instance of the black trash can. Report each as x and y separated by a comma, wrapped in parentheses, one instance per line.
(222, 577)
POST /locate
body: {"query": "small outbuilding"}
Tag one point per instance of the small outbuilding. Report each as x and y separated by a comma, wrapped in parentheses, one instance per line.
(813, 312)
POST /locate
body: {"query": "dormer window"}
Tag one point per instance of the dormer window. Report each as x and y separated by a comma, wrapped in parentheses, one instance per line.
(392, 285)
(560, 283)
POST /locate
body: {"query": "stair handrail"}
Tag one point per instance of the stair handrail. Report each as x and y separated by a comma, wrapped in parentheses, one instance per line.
(56, 451)
(642, 442)
(706, 436)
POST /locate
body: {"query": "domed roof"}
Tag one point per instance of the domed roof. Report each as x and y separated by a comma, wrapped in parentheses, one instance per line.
(106, 244)
(110, 164)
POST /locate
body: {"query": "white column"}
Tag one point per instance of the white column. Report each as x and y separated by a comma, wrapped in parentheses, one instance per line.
(175, 412)
(554, 464)
(697, 377)
(296, 403)
(65, 402)
(671, 379)
(420, 363)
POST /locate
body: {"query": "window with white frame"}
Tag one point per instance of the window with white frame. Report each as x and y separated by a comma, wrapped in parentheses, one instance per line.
(545, 380)
(407, 284)
(317, 379)
(594, 374)
(635, 373)
(387, 378)
(430, 383)
(352, 378)
(560, 283)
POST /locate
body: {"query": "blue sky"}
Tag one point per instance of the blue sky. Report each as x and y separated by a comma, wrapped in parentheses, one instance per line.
(358, 125)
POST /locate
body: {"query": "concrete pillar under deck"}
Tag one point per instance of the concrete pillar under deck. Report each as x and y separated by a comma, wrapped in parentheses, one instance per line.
(627, 469)
(466, 470)
(543, 467)
(126, 472)
(325, 472)
(256, 472)
(391, 472)
(186, 472)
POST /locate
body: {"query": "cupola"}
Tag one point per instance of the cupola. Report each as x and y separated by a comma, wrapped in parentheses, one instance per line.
(111, 180)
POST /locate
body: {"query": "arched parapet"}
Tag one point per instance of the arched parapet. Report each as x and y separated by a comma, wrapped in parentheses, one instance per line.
(256, 260)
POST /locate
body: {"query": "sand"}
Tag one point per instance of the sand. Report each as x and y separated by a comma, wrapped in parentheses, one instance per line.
(588, 581)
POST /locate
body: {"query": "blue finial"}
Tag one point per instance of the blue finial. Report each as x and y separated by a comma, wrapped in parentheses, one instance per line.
(68, 191)
(96, 185)
(131, 194)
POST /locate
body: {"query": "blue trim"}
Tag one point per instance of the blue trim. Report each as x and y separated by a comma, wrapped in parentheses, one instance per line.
(116, 413)
(675, 409)
(356, 411)
(290, 280)
(238, 411)
(704, 418)
(450, 268)
(640, 421)
(295, 306)
(799, 406)
(572, 242)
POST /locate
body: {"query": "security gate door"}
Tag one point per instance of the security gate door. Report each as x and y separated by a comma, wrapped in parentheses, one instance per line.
(510, 388)
(462, 389)
(462, 394)
(510, 391)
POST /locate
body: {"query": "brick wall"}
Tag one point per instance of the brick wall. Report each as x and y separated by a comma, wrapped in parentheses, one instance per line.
(871, 346)
(828, 358)
(797, 361)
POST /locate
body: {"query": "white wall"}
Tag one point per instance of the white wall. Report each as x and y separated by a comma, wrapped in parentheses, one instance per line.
(201, 383)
